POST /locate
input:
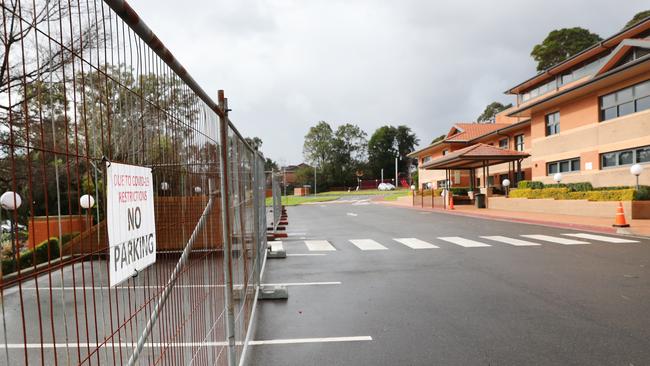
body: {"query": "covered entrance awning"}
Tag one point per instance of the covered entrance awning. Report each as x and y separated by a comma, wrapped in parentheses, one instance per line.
(479, 156)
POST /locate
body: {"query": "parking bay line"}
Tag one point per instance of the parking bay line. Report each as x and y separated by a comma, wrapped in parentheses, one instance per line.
(89, 288)
(189, 344)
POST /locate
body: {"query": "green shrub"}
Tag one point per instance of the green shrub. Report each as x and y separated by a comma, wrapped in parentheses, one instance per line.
(556, 193)
(31, 257)
(556, 185)
(65, 238)
(564, 194)
(580, 187)
(643, 193)
(530, 184)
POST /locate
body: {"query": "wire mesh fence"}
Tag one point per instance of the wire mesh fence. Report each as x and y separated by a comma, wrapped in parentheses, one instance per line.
(274, 180)
(83, 85)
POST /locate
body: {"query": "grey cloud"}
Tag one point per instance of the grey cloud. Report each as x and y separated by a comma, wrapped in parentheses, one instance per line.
(287, 64)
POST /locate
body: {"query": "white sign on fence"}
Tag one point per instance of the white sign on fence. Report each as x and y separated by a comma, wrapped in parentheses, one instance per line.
(130, 219)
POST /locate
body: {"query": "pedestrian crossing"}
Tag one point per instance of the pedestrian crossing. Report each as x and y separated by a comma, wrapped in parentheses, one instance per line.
(525, 240)
(367, 244)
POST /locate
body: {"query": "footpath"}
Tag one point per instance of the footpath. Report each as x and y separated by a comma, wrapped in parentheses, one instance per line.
(597, 224)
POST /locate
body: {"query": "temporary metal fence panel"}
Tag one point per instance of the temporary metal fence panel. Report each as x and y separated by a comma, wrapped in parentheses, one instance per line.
(276, 188)
(85, 84)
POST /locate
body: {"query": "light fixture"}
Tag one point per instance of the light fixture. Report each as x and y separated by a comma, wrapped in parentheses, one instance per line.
(557, 177)
(636, 170)
(506, 183)
(164, 186)
(197, 189)
(86, 201)
(10, 200)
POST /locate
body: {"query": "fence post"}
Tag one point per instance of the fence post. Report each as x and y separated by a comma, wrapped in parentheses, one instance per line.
(225, 225)
(256, 221)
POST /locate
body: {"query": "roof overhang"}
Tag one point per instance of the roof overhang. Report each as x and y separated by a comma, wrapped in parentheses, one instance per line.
(587, 54)
(473, 157)
(611, 77)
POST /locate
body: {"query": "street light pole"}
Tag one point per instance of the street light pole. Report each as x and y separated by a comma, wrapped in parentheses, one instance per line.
(396, 184)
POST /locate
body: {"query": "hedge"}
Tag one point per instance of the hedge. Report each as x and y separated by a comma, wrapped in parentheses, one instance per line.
(32, 257)
(530, 184)
(628, 194)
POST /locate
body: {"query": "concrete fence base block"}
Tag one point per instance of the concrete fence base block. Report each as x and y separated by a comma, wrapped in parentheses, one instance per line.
(281, 228)
(281, 235)
(284, 222)
(276, 250)
(268, 292)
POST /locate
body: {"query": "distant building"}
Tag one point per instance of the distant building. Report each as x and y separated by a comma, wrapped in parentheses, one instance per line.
(289, 172)
(587, 117)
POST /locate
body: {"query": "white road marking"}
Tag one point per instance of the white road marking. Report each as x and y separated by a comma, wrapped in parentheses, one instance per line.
(187, 344)
(312, 340)
(296, 234)
(555, 239)
(305, 254)
(607, 239)
(511, 241)
(367, 244)
(319, 246)
(467, 243)
(97, 288)
(304, 283)
(351, 214)
(414, 243)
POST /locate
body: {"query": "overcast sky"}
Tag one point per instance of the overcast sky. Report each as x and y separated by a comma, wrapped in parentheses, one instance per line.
(285, 65)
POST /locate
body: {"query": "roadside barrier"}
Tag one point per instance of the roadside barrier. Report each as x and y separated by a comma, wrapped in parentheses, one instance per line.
(98, 116)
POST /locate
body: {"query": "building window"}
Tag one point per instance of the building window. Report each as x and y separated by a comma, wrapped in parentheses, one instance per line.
(552, 123)
(444, 152)
(563, 166)
(426, 159)
(519, 142)
(503, 143)
(625, 157)
(632, 99)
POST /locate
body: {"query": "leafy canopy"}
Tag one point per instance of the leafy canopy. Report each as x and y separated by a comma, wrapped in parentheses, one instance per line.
(561, 44)
(387, 143)
(492, 110)
(637, 18)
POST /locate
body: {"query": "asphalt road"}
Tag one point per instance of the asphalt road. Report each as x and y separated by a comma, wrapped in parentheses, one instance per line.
(501, 304)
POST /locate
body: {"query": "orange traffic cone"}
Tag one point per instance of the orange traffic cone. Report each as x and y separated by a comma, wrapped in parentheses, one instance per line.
(619, 220)
(451, 201)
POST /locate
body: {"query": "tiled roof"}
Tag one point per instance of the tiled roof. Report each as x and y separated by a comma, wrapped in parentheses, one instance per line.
(476, 152)
(471, 131)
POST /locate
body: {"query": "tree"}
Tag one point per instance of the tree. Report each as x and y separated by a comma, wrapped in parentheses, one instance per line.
(492, 110)
(270, 165)
(561, 44)
(337, 154)
(304, 175)
(439, 138)
(637, 18)
(317, 148)
(254, 142)
(349, 148)
(387, 143)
